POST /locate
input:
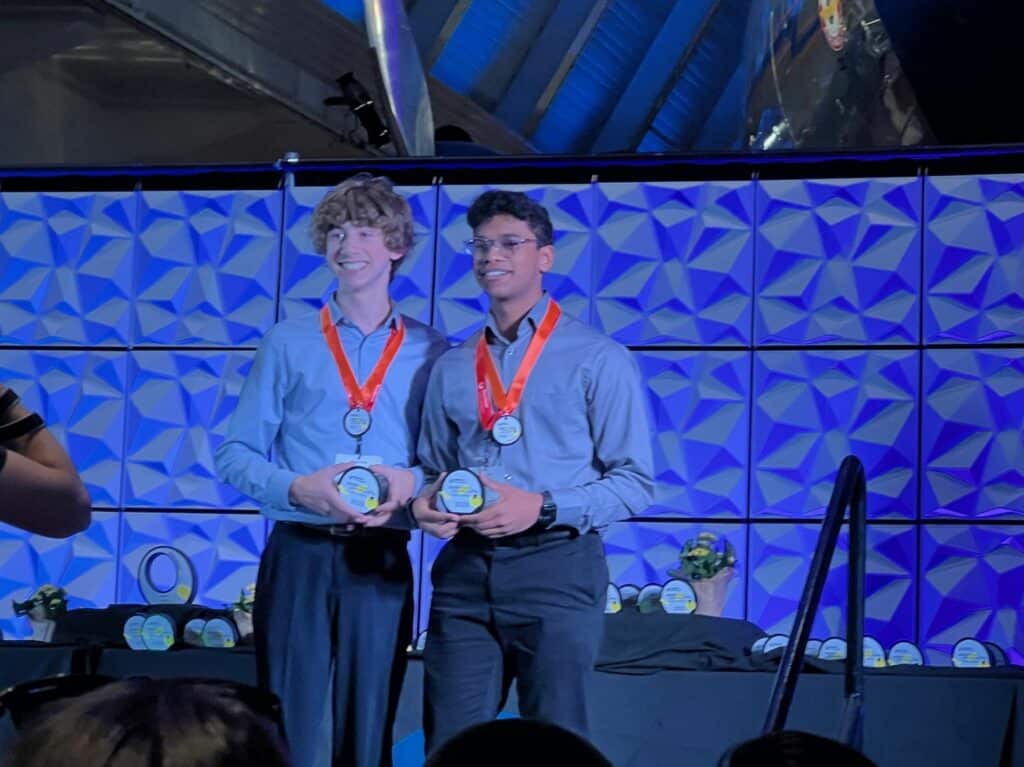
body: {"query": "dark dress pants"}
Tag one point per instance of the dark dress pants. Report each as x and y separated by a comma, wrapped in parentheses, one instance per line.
(529, 608)
(332, 620)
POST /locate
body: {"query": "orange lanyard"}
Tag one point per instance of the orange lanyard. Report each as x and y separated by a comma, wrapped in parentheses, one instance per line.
(361, 396)
(487, 373)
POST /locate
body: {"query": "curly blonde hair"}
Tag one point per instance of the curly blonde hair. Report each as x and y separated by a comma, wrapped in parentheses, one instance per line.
(364, 200)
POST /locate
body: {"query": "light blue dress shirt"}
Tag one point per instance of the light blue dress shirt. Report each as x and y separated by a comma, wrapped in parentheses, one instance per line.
(293, 402)
(586, 437)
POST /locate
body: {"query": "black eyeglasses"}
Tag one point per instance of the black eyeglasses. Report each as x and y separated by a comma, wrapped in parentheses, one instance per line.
(25, 701)
(481, 246)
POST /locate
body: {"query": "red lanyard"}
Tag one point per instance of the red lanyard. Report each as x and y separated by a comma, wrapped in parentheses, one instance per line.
(487, 373)
(361, 396)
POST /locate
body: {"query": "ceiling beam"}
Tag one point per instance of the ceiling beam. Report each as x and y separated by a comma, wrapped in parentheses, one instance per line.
(433, 22)
(653, 81)
(538, 68)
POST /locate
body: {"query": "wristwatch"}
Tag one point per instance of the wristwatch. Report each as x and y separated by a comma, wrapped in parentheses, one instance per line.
(548, 510)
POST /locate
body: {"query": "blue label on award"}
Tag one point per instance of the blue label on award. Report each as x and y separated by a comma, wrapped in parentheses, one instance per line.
(677, 597)
(971, 653)
(461, 492)
(775, 642)
(183, 585)
(874, 653)
(158, 632)
(507, 430)
(833, 649)
(363, 490)
(905, 654)
(612, 600)
(813, 648)
(133, 631)
(357, 422)
(220, 632)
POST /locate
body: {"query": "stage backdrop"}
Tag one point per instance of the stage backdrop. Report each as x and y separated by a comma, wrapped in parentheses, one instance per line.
(778, 325)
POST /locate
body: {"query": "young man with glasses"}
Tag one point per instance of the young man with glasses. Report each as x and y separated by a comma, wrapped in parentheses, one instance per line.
(329, 393)
(549, 415)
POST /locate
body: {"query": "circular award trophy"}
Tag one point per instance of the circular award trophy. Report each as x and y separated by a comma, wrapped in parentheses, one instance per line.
(833, 649)
(158, 632)
(973, 653)
(757, 649)
(813, 648)
(462, 492)
(181, 591)
(192, 634)
(613, 600)
(905, 654)
(649, 599)
(629, 594)
(219, 632)
(776, 642)
(677, 597)
(363, 490)
(874, 653)
(133, 631)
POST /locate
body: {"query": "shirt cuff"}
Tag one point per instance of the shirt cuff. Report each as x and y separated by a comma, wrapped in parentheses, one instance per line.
(573, 509)
(277, 489)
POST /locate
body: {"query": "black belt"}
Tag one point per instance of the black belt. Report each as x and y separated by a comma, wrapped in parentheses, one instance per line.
(352, 531)
(526, 539)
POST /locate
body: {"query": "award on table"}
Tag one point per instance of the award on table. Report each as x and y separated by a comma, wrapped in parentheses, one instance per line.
(905, 654)
(874, 653)
(133, 631)
(363, 490)
(183, 584)
(219, 632)
(158, 631)
(612, 600)
(974, 653)
(677, 597)
(833, 649)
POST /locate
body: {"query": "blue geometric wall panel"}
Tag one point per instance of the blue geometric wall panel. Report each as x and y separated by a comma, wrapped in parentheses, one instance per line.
(972, 585)
(460, 303)
(224, 550)
(85, 565)
(813, 408)
(974, 259)
(306, 282)
(674, 262)
(643, 552)
(179, 404)
(431, 548)
(66, 267)
(780, 558)
(207, 271)
(698, 405)
(80, 394)
(838, 261)
(973, 433)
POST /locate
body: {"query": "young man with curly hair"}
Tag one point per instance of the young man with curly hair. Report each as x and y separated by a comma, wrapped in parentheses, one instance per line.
(339, 388)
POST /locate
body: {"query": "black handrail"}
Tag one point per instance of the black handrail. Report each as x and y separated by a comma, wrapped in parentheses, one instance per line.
(849, 491)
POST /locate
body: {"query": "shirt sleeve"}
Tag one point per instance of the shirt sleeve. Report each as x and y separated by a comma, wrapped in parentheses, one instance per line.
(437, 448)
(622, 448)
(242, 458)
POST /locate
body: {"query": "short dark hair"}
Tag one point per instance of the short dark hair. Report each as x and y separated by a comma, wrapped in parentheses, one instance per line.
(792, 748)
(151, 721)
(514, 743)
(498, 202)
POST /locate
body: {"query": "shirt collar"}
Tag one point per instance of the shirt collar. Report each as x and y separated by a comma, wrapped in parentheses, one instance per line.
(532, 319)
(338, 317)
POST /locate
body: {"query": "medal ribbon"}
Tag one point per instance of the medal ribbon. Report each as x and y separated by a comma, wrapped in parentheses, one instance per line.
(487, 373)
(361, 396)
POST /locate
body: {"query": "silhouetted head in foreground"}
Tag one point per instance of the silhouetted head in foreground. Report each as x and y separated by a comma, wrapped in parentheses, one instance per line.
(791, 748)
(517, 743)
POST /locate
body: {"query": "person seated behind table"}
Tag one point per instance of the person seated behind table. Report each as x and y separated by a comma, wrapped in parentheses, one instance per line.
(151, 723)
(514, 743)
(41, 490)
(792, 748)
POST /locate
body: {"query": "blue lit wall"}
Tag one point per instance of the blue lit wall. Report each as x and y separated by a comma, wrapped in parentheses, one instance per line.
(779, 325)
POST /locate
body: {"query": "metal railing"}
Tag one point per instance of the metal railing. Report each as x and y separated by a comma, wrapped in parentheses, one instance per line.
(848, 492)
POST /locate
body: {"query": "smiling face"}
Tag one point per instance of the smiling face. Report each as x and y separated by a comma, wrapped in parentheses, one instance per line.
(509, 264)
(359, 257)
